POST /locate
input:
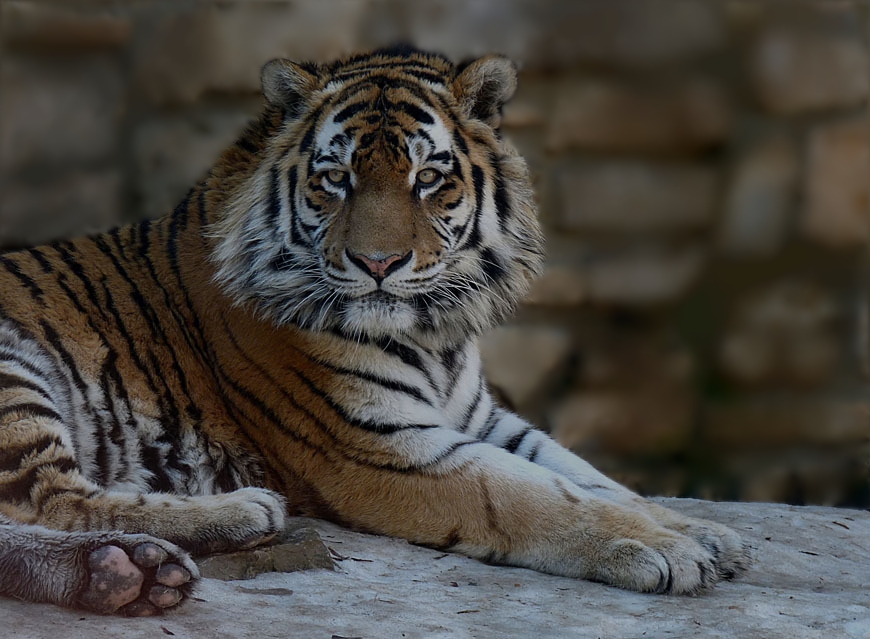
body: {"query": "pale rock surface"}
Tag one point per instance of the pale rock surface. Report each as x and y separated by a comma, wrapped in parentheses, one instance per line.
(809, 580)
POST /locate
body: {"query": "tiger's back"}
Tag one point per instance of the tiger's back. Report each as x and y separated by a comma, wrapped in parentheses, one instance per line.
(300, 334)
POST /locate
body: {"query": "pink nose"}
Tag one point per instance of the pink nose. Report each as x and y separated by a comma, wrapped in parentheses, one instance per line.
(377, 268)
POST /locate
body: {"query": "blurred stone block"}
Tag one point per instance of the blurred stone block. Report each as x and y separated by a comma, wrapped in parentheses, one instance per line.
(222, 47)
(173, 153)
(519, 360)
(773, 423)
(643, 275)
(547, 35)
(837, 210)
(59, 111)
(688, 116)
(68, 205)
(50, 27)
(783, 333)
(760, 199)
(558, 286)
(635, 197)
(799, 71)
(652, 420)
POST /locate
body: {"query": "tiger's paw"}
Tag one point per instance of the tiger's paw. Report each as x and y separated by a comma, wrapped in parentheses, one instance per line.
(667, 564)
(238, 520)
(137, 576)
(730, 553)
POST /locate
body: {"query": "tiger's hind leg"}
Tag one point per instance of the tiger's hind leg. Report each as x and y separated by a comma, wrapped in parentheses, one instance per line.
(43, 485)
(103, 572)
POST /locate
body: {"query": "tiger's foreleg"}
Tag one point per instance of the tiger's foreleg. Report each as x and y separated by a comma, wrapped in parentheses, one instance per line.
(437, 487)
(515, 435)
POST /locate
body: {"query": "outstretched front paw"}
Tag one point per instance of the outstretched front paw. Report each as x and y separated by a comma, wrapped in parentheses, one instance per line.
(662, 563)
(137, 575)
(730, 553)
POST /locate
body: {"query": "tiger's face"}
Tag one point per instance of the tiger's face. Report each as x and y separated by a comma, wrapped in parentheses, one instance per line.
(385, 203)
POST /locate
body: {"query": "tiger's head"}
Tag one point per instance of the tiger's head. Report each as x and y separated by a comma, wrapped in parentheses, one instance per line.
(382, 200)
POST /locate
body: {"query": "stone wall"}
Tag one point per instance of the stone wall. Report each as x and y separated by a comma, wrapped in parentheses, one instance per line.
(703, 326)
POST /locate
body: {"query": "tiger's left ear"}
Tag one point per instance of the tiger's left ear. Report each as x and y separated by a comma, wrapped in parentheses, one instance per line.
(289, 84)
(483, 86)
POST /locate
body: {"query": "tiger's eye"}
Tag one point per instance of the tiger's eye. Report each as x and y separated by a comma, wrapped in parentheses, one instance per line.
(336, 176)
(428, 176)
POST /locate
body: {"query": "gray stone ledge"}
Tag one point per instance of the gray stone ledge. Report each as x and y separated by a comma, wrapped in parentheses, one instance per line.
(810, 579)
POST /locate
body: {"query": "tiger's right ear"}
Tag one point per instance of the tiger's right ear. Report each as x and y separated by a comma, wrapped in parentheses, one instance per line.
(288, 84)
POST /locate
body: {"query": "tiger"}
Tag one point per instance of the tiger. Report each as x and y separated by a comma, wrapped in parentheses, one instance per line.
(299, 336)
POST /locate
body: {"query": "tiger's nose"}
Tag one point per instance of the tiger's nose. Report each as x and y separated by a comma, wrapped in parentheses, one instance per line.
(378, 267)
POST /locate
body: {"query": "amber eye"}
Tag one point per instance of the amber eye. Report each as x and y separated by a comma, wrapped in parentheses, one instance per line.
(427, 177)
(336, 176)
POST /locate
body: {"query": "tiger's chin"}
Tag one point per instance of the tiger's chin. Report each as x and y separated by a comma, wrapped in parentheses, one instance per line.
(378, 315)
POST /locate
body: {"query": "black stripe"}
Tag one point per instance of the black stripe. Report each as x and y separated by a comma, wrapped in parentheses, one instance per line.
(502, 203)
(35, 291)
(460, 142)
(389, 384)
(29, 409)
(472, 408)
(491, 423)
(23, 484)
(349, 111)
(11, 456)
(66, 250)
(14, 381)
(414, 111)
(22, 363)
(307, 139)
(295, 235)
(441, 156)
(39, 256)
(274, 205)
(474, 238)
(514, 442)
(491, 266)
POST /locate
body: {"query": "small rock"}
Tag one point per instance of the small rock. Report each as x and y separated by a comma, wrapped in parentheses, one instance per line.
(298, 548)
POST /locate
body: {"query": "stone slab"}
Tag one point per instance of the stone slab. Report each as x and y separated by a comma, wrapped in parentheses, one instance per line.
(298, 548)
(810, 579)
